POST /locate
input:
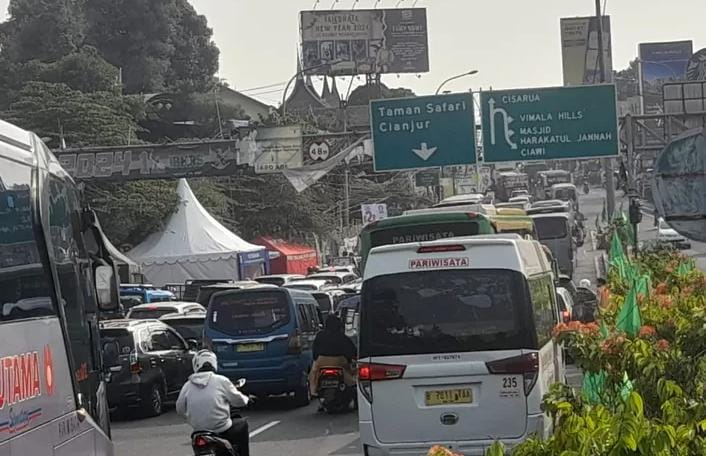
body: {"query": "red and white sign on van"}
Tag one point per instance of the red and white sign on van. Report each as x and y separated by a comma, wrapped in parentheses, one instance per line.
(373, 212)
(439, 263)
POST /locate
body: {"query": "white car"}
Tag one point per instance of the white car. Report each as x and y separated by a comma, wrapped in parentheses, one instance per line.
(160, 309)
(307, 284)
(667, 235)
(455, 345)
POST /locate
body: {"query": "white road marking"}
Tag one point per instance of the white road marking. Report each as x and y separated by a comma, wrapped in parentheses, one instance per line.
(262, 429)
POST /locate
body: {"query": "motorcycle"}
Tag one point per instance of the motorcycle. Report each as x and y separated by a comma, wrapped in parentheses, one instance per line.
(334, 395)
(205, 443)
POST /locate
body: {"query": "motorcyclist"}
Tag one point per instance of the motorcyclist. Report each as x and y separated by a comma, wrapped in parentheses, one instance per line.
(332, 348)
(205, 401)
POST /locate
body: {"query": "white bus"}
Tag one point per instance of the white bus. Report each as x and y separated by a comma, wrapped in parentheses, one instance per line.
(55, 278)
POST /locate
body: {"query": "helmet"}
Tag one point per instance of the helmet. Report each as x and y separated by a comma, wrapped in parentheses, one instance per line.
(203, 357)
(585, 283)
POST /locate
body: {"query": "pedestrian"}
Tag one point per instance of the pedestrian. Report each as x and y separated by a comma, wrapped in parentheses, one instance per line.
(603, 292)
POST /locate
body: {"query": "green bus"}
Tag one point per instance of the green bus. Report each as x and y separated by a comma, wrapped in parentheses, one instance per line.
(422, 227)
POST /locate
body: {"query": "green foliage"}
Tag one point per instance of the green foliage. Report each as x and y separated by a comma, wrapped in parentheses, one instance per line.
(664, 412)
(97, 119)
(44, 30)
(84, 70)
(158, 44)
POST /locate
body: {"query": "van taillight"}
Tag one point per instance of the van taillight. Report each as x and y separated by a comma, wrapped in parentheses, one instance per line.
(371, 372)
(441, 248)
(526, 365)
(295, 344)
(472, 215)
(135, 367)
(200, 442)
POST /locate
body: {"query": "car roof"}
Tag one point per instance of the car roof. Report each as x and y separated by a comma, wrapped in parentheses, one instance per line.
(235, 285)
(564, 185)
(549, 203)
(189, 316)
(177, 304)
(493, 251)
(330, 273)
(279, 276)
(128, 324)
(565, 215)
(476, 207)
(317, 282)
(463, 197)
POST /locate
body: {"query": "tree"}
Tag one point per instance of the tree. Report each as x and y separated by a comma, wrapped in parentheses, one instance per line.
(84, 70)
(627, 81)
(159, 45)
(195, 59)
(43, 30)
(363, 94)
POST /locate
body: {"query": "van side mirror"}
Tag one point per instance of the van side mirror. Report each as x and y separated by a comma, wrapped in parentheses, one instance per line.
(106, 290)
(193, 344)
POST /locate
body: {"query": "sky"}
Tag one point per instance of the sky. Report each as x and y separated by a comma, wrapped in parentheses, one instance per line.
(512, 43)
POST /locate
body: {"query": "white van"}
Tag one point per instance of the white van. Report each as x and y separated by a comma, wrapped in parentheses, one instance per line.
(455, 345)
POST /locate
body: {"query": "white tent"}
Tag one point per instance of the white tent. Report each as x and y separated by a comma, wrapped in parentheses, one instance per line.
(194, 245)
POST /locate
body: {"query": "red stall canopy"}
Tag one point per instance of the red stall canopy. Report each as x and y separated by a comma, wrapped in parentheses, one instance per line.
(293, 258)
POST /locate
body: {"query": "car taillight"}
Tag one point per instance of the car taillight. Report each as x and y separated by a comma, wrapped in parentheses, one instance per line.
(441, 248)
(331, 371)
(526, 365)
(135, 367)
(200, 442)
(295, 344)
(372, 372)
(566, 316)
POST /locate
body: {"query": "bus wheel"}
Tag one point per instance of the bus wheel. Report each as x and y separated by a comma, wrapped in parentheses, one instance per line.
(154, 401)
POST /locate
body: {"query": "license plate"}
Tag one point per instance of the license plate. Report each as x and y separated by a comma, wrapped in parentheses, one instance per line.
(248, 348)
(453, 396)
(329, 383)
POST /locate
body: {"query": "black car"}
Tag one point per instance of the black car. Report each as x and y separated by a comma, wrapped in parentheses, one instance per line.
(189, 326)
(146, 363)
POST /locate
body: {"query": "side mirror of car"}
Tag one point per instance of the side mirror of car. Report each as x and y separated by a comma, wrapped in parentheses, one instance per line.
(106, 289)
(193, 344)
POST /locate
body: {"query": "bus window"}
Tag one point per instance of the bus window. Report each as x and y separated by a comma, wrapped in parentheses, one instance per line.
(24, 286)
(75, 284)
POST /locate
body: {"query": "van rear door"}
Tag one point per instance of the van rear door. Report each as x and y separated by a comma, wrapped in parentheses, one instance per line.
(254, 325)
(447, 355)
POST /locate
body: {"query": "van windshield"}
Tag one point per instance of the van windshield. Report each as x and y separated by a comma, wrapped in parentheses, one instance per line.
(247, 313)
(550, 227)
(445, 311)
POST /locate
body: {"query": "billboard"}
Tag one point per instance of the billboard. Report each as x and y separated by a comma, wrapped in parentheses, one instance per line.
(660, 63)
(339, 42)
(579, 50)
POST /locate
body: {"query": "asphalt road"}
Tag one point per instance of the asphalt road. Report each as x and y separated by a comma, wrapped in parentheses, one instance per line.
(277, 428)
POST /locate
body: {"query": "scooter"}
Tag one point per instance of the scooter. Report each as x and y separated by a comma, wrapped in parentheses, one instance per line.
(334, 395)
(205, 443)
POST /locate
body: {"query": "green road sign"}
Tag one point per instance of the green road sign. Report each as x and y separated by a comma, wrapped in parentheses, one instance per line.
(427, 178)
(549, 123)
(423, 132)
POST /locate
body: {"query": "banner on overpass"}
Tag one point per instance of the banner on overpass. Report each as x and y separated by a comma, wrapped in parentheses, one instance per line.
(267, 149)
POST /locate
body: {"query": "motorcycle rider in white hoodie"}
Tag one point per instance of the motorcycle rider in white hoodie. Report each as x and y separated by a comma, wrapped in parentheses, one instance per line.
(205, 402)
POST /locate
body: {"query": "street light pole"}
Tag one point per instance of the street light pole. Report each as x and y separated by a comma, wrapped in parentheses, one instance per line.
(458, 76)
(607, 162)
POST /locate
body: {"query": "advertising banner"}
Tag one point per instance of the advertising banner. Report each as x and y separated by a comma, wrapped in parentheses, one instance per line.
(338, 42)
(660, 63)
(267, 149)
(579, 50)
(373, 212)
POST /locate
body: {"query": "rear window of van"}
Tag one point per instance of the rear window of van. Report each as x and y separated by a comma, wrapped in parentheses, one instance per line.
(445, 311)
(249, 313)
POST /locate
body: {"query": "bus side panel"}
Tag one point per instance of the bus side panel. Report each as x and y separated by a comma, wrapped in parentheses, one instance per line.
(35, 385)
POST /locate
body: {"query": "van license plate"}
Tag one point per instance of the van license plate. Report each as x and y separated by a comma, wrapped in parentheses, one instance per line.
(454, 396)
(248, 348)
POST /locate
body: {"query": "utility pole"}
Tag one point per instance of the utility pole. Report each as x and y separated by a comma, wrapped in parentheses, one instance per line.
(347, 199)
(607, 162)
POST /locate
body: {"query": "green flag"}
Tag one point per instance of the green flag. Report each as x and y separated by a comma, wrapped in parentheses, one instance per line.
(617, 257)
(628, 319)
(685, 267)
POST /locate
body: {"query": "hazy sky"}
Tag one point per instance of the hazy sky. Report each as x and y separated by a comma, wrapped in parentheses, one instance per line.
(512, 43)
